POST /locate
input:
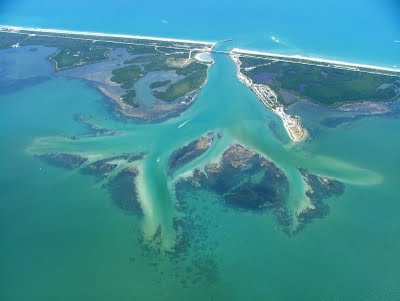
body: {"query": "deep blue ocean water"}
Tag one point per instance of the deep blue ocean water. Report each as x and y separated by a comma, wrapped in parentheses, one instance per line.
(358, 30)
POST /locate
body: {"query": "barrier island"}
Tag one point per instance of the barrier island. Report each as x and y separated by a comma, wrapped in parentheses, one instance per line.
(282, 80)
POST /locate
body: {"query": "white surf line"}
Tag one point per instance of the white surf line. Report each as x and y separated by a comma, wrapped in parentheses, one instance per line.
(182, 124)
(177, 47)
(101, 34)
(397, 41)
(240, 51)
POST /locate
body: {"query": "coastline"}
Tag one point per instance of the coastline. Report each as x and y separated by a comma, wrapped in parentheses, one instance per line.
(101, 34)
(161, 110)
(269, 99)
(265, 94)
(239, 51)
(199, 57)
(310, 60)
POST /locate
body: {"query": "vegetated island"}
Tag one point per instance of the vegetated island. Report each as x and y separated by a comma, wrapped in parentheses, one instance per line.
(281, 80)
(147, 78)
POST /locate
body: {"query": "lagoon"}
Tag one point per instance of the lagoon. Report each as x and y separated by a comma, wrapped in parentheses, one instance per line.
(64, 237)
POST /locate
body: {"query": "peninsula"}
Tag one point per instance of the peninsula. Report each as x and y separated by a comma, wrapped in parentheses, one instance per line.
(282, 80)
(269, 98)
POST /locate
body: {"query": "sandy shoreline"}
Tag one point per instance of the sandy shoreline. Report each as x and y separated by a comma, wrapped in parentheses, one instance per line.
(200, 57)
(101, 34)
(269, 98)
(313, 59)
(208, 43)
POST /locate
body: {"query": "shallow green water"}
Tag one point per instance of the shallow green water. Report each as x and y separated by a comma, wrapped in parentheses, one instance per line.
(64, 239)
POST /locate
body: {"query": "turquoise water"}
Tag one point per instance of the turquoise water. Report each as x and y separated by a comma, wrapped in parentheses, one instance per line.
(358, 30)
(62, 237)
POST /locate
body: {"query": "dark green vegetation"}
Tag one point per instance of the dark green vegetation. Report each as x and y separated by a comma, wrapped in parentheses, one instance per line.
(156, 85)
(71, 52)
(134, 45)
(9, 39)
(127, 76)
(70, 57)
(143, 57)
(166, 50)
(161, 62)
(323, 85)
(194, 73)
(189, 152)
(153, 62)
(184, 86)
(141, 49)
(191, 68)
(129, 98)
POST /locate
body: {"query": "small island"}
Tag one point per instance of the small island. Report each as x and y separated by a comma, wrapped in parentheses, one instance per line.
(189, 152)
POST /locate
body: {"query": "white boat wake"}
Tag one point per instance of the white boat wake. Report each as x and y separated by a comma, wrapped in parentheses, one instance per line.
(275, 39)
(183, 123)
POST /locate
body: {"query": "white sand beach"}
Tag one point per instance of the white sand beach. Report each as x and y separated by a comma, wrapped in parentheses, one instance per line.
(313, 59)
(101, 34)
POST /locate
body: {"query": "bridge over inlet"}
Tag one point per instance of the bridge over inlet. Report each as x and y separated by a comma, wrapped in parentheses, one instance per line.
(213, 50)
